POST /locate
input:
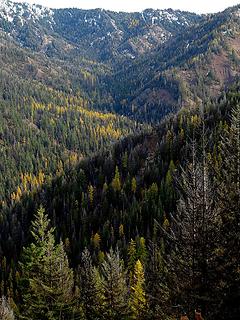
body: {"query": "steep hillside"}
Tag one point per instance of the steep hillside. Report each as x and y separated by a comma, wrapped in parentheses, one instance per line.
(187, 69)
(54, 89)
(76, 51)
(43, 130)
(110, 36)
(143, 65)
(151, 158)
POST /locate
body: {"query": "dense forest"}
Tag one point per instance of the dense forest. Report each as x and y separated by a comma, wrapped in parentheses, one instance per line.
(119, 164)
(148, 230)
(42, 130)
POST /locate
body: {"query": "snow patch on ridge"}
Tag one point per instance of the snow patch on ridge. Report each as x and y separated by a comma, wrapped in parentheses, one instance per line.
(24, 11)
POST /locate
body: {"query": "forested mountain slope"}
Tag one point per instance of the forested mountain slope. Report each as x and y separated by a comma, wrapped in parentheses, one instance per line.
(145, 189)
(143, 65)
(42, 130)
(72, 49)
(50, 86)
(192, 67)
(96, 34)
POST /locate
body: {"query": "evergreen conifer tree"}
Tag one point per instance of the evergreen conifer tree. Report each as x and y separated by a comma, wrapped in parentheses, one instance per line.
(89, 284)
(46, 279)
(114, 287)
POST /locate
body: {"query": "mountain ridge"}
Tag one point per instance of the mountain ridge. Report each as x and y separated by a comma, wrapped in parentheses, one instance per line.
(105, 24)
(111, 47)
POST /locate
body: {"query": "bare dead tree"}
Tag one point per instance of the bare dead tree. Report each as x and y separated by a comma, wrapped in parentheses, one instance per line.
(196, 225)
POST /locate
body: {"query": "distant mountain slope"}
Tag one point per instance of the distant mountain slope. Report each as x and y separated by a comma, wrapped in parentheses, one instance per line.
(143, 65)
(109, 35)
(97, 34)
(186, 70)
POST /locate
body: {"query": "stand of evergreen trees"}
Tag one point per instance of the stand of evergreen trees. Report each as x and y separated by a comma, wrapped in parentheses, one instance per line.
(149, 230)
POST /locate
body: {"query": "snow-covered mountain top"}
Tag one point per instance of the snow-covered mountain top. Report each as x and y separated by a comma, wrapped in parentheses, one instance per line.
(98, 32)
(24, 11)
(9, 10)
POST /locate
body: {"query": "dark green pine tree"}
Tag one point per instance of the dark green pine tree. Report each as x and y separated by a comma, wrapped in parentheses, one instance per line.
(115, 304)
(132, 257)
(157, 282)
(89, 287)
(46, 279)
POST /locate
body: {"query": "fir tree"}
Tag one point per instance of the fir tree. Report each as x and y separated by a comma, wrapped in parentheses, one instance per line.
(114, 287)
(132, 257)
(47, 280)
(90, 294)
(116, 183)
(157, 282)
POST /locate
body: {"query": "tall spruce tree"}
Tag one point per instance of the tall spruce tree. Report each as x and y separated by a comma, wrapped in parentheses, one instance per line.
(132, 258)
(89, 284)
(46, 279)
(115, 305)
(157, 282)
